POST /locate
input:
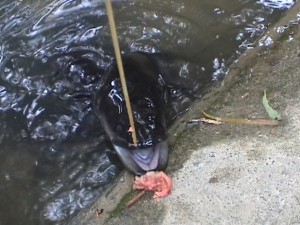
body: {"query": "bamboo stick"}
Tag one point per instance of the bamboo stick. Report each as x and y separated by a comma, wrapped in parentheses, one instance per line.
(114, 35)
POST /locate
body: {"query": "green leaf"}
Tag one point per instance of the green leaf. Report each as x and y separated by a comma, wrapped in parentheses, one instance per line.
(273, 114)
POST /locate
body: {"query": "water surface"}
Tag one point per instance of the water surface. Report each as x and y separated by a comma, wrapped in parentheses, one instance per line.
(54, 157)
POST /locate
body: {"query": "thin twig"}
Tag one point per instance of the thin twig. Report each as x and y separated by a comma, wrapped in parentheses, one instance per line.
(114, 36)
(135, 199)
(262, 122)
(204, 120)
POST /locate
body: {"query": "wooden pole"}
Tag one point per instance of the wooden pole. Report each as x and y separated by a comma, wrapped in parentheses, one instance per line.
(113, 30)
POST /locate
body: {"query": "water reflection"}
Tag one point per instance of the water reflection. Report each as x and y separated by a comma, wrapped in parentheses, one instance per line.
(54, 159)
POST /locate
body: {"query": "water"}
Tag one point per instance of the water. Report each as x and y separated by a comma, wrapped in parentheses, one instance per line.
(54, 158)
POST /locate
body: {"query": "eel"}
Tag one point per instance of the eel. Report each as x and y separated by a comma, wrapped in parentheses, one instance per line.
(148, 98)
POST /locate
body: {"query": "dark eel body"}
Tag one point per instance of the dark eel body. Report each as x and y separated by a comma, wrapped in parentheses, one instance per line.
(148, 101)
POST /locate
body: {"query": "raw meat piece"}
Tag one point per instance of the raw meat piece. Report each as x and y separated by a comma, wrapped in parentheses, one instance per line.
(154, 181)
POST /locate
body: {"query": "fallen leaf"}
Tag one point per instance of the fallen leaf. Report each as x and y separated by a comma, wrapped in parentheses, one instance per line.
(273, 114)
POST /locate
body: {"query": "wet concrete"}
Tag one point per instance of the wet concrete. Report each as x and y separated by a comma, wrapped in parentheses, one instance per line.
(230, 174)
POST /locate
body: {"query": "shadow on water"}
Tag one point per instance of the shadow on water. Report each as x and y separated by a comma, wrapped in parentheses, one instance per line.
(54, 158)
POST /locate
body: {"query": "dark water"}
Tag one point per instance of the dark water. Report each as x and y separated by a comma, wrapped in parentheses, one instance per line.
(54, 158)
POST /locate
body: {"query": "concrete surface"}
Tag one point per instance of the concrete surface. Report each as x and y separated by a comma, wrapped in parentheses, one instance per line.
(231, 174)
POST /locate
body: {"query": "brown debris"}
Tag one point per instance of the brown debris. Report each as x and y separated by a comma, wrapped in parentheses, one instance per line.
(135, 199)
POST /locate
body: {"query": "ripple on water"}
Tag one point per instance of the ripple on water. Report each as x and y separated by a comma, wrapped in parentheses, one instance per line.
(91, 184)
(277, 4)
